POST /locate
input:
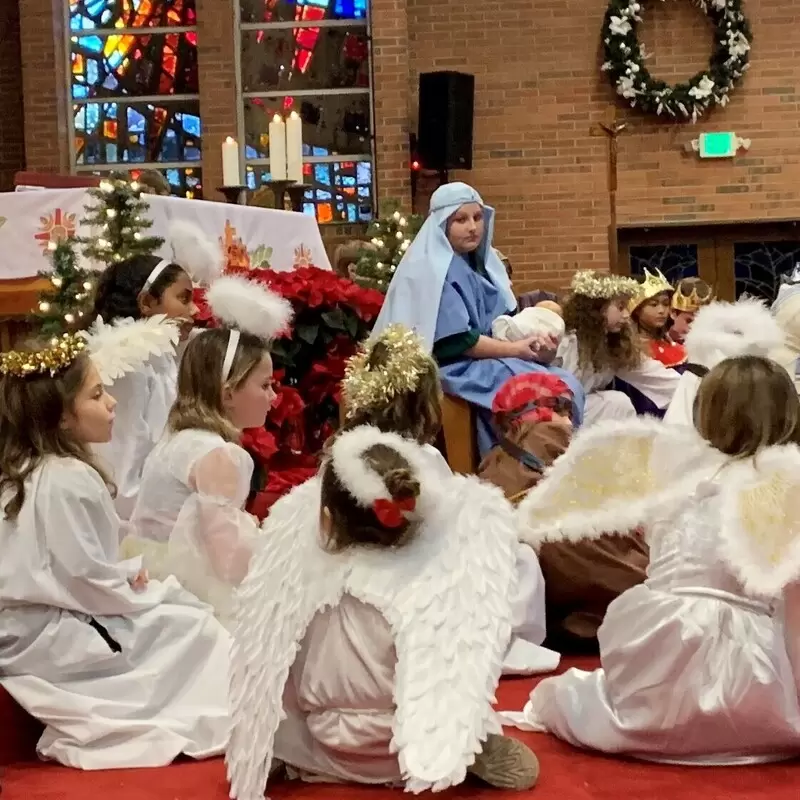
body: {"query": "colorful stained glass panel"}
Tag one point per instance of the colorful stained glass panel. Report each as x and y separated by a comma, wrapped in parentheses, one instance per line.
(341, 191)
(332, 124)
(186, 182)
(113, 66)
(289, 10)
(88, 15)
(288, 59)
(110, 133)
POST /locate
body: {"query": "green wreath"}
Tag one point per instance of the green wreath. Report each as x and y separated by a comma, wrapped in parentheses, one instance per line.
(625, 56)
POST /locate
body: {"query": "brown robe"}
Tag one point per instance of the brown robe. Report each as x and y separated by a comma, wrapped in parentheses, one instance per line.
(581, 578)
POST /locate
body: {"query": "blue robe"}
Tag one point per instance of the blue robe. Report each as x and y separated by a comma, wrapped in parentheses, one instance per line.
(468, 302)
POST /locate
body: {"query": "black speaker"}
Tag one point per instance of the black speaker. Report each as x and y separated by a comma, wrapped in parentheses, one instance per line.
(446, 105)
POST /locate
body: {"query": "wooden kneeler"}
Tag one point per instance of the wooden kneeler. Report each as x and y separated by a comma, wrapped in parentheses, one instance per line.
(460, 442)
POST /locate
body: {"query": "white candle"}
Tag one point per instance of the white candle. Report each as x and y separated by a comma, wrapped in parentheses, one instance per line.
(230, 163)
(277, 149)
(294, 148)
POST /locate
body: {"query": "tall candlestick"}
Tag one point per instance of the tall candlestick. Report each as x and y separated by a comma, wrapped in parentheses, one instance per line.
(294, 148)
(277, 149)
(230, 163)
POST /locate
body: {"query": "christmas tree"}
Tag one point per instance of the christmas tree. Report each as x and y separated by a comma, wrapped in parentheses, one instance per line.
(390, 235)
(118, 222)
(64, 306)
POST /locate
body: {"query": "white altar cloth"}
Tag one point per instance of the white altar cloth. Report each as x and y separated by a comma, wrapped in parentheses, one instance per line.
(252, 237)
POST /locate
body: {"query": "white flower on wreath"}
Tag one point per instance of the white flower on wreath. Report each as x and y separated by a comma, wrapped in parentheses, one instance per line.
(719, 5)
(738, 45)
(625, 87)
(619, 26)
(703, 89)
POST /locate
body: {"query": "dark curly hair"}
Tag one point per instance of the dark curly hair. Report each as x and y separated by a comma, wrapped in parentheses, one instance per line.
(598, 349)
(119, 287)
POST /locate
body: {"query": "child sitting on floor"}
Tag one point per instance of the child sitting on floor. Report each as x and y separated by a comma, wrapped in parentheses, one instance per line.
(372, 626)
(690, 295)
(189, 519)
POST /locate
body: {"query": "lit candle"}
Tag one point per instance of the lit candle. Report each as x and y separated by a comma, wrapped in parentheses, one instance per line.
(294, 148)
(277, 149)
(230, 163)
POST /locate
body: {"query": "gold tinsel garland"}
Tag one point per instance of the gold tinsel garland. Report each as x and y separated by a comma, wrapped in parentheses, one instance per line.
(601, 286)
(407, 359)
(53, 359)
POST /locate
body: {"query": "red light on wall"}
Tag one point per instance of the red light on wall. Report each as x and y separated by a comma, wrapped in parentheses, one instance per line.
(415, 165)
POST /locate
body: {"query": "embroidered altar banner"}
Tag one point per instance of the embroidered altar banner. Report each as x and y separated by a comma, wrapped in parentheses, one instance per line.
(251, 237)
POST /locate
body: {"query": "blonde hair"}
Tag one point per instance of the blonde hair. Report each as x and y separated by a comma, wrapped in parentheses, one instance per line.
(745, 404)
(31, 428)
(353, 525)
(199, 404)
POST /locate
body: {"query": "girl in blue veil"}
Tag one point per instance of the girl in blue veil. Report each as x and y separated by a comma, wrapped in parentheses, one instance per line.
(449, 288)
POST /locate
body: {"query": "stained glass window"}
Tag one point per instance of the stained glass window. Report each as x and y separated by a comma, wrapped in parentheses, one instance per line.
(675, 261)
(135, 101)
(318, 66)
(758, 266)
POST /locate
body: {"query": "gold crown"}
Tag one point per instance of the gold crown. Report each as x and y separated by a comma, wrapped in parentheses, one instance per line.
(690, 302)
(60, 355)
(652, 286)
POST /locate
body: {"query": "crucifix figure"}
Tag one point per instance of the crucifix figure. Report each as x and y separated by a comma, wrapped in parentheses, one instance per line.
(612, 130)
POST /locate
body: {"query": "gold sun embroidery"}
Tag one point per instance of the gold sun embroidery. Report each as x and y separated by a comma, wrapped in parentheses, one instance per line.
(55, 227)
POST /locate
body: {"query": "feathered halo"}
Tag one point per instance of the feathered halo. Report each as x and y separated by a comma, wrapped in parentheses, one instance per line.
(248, 306)
(126, 345)
(407, 359)
(203, 260)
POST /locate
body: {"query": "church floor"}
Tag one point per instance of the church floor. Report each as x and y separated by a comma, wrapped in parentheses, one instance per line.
(566, 774)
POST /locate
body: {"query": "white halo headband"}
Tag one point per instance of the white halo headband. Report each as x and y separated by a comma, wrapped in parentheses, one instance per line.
(230, 353)
(364, 484)
(153, 276)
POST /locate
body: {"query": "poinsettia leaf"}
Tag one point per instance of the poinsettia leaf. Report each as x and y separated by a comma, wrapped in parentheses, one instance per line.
(308, 333)
(351, 324)
(334, 319)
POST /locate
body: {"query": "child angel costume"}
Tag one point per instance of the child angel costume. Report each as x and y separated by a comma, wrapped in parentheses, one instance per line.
(119, 677)
(699, 664)
(373, 665)
(722, 330)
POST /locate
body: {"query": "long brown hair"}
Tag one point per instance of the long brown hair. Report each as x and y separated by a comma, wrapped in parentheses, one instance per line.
(31, 428)
(352, 525)
(599, 350)
(745, 404)
(199, 403)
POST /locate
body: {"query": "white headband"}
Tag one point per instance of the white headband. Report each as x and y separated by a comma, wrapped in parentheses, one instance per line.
(230, 353)
(153, 276)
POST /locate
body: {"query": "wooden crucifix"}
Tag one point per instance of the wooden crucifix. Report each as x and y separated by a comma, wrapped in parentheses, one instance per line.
(611, 128)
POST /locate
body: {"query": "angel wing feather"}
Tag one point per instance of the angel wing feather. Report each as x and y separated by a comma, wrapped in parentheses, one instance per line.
(612, 478)
(760, 515)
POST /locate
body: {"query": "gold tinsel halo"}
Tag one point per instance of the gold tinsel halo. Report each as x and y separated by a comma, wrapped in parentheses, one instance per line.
(61, 353)
(600, 286)
(407, 359)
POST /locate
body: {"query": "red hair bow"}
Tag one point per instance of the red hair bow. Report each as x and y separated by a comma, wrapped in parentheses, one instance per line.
(390, 512)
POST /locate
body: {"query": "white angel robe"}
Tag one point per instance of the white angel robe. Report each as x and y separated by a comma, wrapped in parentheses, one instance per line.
(189, 519)
(525, 655)
(120, 678)
(651, 378)
(400, 651)
(144, 398)
(699, 665)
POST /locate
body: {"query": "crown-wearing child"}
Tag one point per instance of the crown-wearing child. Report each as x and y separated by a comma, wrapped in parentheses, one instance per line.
(393, 385)
(189, 518)
(650, 313)
(122, 671)
(690, 295)
(701, 663)
(722, 330)
(533, 415)
(140, 288)
(372, 626)
(601, 346)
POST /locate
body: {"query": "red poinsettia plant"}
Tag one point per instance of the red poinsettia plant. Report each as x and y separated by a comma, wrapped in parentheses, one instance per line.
(332, 315)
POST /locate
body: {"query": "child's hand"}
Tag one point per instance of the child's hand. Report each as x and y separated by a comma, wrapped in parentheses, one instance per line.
(527, 349)
(139, 581)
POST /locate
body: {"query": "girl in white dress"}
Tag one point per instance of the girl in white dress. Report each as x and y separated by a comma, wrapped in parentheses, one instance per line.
(122, 671)
(701, 663)
(373, 622)
(393, 384)
(189, 518)
(600, 345)
(144, 287)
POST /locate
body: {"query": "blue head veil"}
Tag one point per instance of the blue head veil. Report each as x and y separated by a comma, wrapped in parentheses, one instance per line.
(416, 289)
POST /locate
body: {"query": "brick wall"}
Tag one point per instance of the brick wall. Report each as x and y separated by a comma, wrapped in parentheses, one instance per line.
(12, 144)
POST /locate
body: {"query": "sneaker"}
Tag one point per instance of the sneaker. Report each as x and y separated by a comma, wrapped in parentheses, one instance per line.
(506, 763)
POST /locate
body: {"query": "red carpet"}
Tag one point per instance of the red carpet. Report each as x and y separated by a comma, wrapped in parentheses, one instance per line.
(567, 774)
